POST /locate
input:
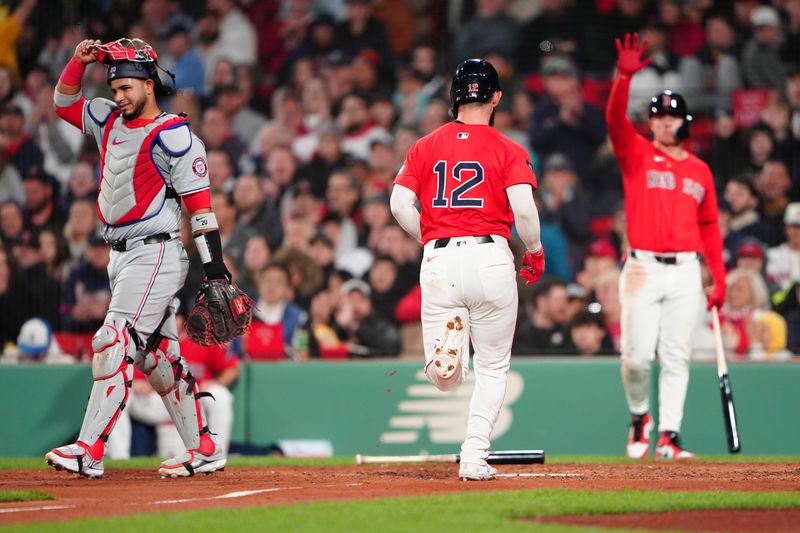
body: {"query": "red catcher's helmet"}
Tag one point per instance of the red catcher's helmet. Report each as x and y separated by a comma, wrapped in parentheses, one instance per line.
(132, 58)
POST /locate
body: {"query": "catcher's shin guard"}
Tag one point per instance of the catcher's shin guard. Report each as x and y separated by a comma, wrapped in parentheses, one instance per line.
(112, 369)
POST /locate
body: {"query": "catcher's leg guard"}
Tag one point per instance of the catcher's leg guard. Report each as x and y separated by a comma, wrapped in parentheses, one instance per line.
(112, 371)
(172, 380)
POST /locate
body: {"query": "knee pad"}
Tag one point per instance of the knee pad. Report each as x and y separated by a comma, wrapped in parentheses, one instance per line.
(112, 347)
(160, 368)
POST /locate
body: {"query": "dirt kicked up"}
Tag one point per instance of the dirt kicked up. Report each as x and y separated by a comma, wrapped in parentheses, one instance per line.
(133, 491)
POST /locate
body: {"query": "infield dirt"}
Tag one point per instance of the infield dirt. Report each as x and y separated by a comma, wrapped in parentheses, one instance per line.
(133, 491)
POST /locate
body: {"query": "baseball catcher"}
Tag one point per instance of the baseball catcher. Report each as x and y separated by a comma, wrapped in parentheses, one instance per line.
(150, 163)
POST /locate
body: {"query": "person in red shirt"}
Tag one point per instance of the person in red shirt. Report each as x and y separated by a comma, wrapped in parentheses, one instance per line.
(473, 183)
(672, 217)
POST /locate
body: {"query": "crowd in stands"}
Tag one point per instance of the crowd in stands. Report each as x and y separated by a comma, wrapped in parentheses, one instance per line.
(307, 109)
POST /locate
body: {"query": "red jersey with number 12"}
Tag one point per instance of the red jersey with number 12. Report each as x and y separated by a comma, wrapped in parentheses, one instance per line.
(460, 173)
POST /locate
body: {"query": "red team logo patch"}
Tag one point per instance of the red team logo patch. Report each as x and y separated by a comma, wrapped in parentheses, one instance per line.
(199, 167)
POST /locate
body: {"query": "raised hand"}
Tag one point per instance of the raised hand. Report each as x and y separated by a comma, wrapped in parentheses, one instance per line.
(86, 52)
(629, 54)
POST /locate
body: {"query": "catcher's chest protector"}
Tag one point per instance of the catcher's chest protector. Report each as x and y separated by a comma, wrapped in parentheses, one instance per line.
(132, 187)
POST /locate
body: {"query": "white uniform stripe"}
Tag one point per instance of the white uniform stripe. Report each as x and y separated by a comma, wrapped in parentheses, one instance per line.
(150, 284)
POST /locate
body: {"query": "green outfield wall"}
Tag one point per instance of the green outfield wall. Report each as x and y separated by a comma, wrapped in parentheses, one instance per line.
(565, 406)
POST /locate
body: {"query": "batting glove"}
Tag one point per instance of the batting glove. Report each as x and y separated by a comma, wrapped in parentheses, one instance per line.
(532, 265)
(716, 298)
(629, 54)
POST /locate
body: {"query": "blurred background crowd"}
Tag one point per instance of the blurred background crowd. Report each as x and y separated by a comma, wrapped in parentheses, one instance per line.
(307, 109)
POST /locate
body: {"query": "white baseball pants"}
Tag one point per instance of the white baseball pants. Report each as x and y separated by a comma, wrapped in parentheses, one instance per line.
(477, 284)
(660, 303)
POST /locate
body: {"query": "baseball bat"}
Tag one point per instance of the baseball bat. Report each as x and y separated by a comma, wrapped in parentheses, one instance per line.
(511, 457)
(728, 410)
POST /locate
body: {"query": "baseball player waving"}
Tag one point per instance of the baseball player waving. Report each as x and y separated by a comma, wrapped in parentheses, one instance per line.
(473, 183)
(150, 161)
(671, 210)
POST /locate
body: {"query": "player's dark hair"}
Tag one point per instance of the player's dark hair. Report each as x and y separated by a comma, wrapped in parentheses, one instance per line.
(584, 317)
(544, 286)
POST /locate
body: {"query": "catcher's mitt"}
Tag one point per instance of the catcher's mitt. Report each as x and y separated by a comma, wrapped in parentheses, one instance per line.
(221, 313)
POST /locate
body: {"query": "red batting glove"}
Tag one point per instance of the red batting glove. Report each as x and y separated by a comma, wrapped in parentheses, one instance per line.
(532, 265)
(716, 298)
(629, 54)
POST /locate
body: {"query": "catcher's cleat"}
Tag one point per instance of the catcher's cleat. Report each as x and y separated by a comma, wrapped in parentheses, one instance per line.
(206, 459)
(669, 447)
(476, 472)
(639, 436)
(76, 458)
(447, 353)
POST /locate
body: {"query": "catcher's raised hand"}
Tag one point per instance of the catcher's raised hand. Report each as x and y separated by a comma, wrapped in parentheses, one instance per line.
(532, 265)
(87, 52)
(629, 54)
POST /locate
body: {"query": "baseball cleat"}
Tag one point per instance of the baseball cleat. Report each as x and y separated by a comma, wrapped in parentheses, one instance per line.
(75, 458)
(195, 461)
(476, 472)
(446, 359)
(639, 436)
(669, 447)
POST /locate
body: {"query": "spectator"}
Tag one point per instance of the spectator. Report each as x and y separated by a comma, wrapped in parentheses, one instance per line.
(328, 157)
(383, 284)
(759, 149)
(588, 337)
(773, 184)
(492, 29)
(552, 30)
(577, 300)
(790, 52)
(321, 252)
(761, 60)
(317, 117)
(280, 173)
(188, 65)
(358, 129)
(221, 172)
(12, 298)
(42, 209)
(606, 290)
(746, 323)
(58, 140)
(87, 292)
(366, 333)
(554, 241)
(10, 30)
(217, 134)
(376, 215)
(82, 182)
(777, 116)
(563, 123)
(279, 325)
(343, 196)
(382, 169)
(783, 261)
(600, 29)
(305, 276)
(11, 188)
(17, 147)
(36, 344)
(361, 30)
(246, 123)
(55, 254)
(254, 211)
(600, 257)
(424, 63)
(81, 223)
(565, 204)
(237, 38)
(41, 292)
(793, 96)
(12, 222)
(257, 255)
(542, 329)
(742, 199)
(686, 35)
(719, 63)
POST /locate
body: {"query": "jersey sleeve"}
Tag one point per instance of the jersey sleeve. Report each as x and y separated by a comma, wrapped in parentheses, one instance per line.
(409, 176)
(519, 169)
(189, 171)
(624, 138)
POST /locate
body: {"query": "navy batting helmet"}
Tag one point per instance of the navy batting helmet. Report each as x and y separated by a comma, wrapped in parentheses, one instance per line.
(475, 80)
(670, 103)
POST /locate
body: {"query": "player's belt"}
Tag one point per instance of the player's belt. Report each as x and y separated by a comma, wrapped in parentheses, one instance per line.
(123, 245)
(480, 239)
(671, 259)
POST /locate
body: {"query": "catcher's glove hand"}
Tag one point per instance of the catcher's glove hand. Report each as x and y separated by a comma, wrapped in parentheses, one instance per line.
(221, 313)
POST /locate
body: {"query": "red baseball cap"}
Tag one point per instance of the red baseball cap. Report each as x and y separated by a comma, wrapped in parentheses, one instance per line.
(750, 249)
(602, 248)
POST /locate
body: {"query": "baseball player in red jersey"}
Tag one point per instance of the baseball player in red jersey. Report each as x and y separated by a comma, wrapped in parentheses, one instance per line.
(148, 159)
(671, 212)
(473, 183)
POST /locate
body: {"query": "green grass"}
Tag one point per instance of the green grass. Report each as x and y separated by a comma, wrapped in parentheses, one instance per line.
(23, 496)
(473, 511)
(32, 463)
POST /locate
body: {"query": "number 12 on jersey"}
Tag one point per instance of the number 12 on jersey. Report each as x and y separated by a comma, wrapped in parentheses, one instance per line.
(461, 170)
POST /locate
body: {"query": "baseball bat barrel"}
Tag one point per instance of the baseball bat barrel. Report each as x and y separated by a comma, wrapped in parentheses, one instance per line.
(510, 457)
(725, 389)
